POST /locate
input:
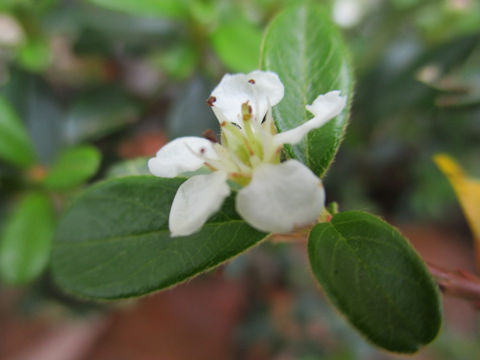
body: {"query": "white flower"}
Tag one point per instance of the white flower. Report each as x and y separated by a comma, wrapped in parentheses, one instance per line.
(275, 196)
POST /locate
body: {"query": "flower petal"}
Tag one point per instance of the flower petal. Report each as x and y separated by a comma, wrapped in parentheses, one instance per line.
(261, 89)
(281, 197)
(179, 156)
(195, 201)
(324, 108)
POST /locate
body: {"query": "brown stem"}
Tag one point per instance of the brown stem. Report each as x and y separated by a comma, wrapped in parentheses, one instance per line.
(459, 283)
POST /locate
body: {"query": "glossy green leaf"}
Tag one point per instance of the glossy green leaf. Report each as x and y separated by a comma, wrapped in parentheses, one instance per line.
(161, 8)
(73, 167)
(26, 239)
(375, 278)
(15, 145)
(114, 241)
(237, 44)
(305, 49)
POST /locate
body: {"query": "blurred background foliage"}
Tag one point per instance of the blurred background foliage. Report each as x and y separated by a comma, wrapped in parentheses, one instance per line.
(89, 89)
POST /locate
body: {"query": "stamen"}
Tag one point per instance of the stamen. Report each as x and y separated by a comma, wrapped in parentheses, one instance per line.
(251, 81)
(212, 168)
(211, 100)
(246, 111)
(210, 135)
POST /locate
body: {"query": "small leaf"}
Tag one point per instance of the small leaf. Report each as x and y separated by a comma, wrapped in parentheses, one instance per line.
(305, 49)
(15, 145)
(178, 61)
(73, 167)
(237, 44)
(26, 239)
(44, 117)
(99, 113)
(375, 278)
(162, 8)
(114, 241)
(39, 108)
(35, 55)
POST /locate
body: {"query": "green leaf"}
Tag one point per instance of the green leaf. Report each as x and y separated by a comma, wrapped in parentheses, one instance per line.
(237, 44)
(73, 167)
(176, 9)
(35, 55)
(99, 113)
(15, 145)
(179, 61)
(26, 239)
(114, 241)
(371, 273)
(305, 49)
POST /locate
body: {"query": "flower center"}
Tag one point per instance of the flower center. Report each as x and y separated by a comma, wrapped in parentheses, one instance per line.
(245, 146)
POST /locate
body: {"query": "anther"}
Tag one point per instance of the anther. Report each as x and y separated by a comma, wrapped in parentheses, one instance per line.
(246, 111)
(210, 135)
(211, 100)
(251, 81)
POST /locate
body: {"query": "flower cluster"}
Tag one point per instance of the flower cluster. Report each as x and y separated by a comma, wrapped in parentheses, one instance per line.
(275, 196)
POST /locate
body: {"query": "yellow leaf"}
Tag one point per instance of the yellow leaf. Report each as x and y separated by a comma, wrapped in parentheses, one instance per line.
(467, 191)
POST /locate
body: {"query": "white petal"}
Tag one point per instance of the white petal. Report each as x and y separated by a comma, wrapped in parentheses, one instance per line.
(179, 156)
(261, 89)
(195, 201)
(324, 108)
(281, 197)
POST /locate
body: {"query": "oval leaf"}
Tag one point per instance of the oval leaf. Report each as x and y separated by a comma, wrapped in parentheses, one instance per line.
(114, 240)
(304, 48)
(372, 274)
(15, 145)
(26, 239)
(73, 167)
(163, 8)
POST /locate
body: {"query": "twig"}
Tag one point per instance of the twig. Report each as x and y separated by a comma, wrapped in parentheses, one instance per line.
(459, 283)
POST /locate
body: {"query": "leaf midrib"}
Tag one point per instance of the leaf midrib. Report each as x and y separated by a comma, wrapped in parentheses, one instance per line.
(141, 234)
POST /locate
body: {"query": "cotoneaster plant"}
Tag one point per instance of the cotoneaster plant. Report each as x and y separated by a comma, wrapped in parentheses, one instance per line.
(132, 235)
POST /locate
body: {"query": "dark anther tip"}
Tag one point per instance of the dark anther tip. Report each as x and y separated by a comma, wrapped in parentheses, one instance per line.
(211, 100)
